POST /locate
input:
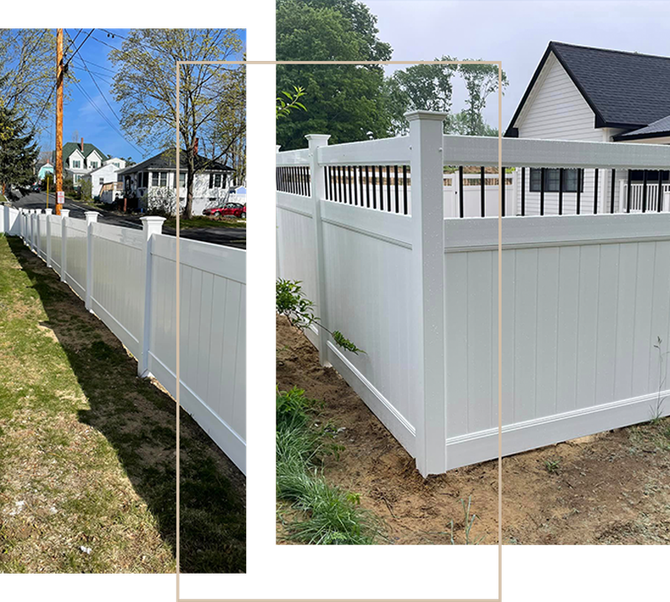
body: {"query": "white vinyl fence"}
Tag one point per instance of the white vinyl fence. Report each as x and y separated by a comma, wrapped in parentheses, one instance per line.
(584, 297)
(127, 278)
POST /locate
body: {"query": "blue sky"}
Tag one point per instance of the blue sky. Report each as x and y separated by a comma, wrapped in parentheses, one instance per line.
(516, 33)
(82, 117)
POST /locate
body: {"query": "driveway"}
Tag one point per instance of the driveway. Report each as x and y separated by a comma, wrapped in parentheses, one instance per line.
(229, 237)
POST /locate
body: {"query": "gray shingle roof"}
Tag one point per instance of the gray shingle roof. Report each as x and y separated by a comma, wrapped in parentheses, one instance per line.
(662, 126)
(624, 89)
(165, 161)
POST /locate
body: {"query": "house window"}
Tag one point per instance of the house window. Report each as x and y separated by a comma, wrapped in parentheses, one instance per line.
(102, 181)
(158, 178)
(182, 181)
(94, 164)
(77, 177)
(216, 180)
(552, 179)
(76, 164)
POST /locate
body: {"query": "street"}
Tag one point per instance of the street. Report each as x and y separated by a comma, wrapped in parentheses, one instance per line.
(230, 237)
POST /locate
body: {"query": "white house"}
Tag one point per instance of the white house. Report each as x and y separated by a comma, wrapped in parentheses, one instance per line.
(152, 183)
(105, 174)
(594, 94)
(81, 159)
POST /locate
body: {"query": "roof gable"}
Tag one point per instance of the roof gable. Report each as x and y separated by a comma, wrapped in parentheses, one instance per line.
(624, 89)
(71, 147)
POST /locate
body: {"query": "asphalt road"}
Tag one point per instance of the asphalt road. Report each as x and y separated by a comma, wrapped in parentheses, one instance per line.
(230, 237)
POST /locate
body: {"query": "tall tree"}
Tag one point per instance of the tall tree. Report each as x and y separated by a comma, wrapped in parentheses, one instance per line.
(480, 81)
(28, 74)
(145, 87)
(345, 101)
(18, 150)
(419, 87)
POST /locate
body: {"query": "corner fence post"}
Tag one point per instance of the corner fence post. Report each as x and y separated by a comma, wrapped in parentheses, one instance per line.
(64, 215)
(429, 366)
(48, 212)
(318, 191)
(151, 225)
(91, 218)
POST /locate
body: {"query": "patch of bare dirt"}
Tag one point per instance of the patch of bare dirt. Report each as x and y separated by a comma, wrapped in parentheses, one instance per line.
(610, 488)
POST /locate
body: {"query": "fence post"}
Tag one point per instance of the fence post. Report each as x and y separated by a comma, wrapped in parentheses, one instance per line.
(48, 212)
(64, 214)
(91, 218)
(622, 201)
(318, 193)
(429, 369)
(152, 225)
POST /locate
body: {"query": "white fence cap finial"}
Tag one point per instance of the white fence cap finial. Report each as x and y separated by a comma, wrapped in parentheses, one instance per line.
(428, 115)
(91, 216)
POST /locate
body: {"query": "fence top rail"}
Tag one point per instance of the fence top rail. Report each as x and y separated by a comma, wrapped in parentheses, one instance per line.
(528, 152)
(385, 151)
(293, 158)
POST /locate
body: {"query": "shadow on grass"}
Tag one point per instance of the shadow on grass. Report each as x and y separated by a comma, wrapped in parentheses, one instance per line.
(138, 419)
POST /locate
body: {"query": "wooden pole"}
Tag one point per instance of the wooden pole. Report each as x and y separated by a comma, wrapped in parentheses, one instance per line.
(59, 120)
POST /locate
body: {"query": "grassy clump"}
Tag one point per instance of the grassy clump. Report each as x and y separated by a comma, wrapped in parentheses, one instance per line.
(326, 514)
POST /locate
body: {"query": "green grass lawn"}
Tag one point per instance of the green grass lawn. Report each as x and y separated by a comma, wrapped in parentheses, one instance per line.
(201, 221)
(87, 449)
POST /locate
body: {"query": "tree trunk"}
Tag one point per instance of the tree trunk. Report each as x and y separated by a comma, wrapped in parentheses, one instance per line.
(190, 177)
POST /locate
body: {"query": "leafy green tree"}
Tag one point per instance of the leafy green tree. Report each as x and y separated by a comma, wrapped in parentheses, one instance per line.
(419, 87)
(481, 81)
(18, 150)
(460, 124)
(346, 101)
(145, 87)
(27, 74)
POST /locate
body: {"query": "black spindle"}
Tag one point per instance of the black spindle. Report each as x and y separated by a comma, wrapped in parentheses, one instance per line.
(367, 186)
(460, 190)
(595, 191)
(628, 191)
(374, 188)
(404, 187)
(482, 191)
(560, 192)
(397, 195)
(523, 191)
(612, 191)
(644, 191)
(579, 191)
(349, 184)
(542, 172)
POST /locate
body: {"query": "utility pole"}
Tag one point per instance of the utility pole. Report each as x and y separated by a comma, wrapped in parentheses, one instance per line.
(59, 121)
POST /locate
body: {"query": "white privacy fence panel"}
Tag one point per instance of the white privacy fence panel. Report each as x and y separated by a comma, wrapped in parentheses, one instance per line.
(585, 297)
(76, 235)
(56, 231)
(368, 296)
(127, 277)
(213, 340)
(118, 280)
(582, 312)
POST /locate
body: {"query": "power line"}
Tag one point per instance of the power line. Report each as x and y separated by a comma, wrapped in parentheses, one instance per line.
(92, 102)
(95, 106)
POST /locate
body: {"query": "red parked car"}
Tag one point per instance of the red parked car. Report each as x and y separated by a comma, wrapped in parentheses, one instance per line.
(235, 209)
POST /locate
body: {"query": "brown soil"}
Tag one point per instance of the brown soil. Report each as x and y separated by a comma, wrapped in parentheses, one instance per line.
(610, 488)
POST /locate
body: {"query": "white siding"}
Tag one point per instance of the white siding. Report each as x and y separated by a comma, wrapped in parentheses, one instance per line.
(557, 110)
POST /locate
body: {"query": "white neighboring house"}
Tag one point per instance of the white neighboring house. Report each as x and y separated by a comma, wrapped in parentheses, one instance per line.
(152, 183)
(600, 95)
(107, 174)
(81, 159)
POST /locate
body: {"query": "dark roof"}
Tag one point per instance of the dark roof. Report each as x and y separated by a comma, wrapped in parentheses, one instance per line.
(653, 130)
(165, 160)
(624, 89)
(70, 147)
